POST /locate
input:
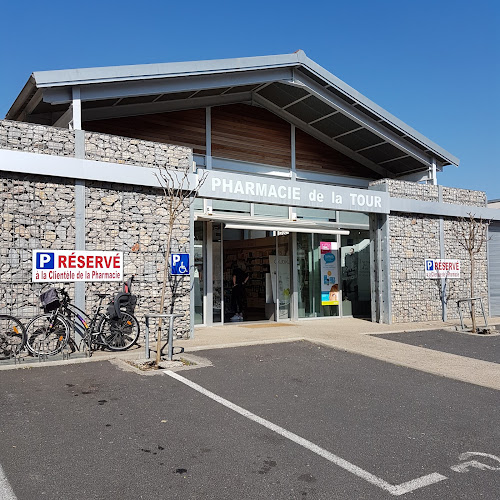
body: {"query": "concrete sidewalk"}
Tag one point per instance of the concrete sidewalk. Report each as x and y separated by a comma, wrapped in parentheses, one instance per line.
(347, 334)
(354, 335)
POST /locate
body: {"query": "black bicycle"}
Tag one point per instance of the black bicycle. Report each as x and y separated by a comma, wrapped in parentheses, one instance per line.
(49, 333)
(12, 336)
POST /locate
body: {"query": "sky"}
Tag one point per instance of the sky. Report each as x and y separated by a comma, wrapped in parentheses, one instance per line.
(435, 64)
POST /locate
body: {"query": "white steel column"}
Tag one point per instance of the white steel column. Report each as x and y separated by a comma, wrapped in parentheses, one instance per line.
(276, 280)
(294, 303)
(209, 273)
(433, 172)
(79, 190)
(339, 270)
(77, 109)
(292, 153)
(208, 138)
(221, 277)
(191, 270)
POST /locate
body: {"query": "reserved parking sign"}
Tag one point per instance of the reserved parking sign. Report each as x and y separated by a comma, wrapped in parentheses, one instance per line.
(73, 265)
(442, 268)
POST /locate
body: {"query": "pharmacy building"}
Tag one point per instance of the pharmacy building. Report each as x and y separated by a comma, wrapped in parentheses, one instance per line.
(294, 197)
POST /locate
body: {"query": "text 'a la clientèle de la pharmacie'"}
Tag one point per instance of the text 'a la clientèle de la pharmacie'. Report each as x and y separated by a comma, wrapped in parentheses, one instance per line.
(293, 193)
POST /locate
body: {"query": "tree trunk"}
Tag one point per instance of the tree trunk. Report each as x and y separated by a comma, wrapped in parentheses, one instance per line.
(163, 291)
(472, 303)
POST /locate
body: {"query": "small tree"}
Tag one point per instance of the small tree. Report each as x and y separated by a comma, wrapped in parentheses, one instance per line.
(180, 189)
(471, 234)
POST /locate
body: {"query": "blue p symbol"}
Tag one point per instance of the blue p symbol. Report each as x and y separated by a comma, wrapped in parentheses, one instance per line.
(45, 260)
(429, 265)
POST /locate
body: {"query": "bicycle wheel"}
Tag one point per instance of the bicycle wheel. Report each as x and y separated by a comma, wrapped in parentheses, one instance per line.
(47, 334)
(12, 336)
(119, 334)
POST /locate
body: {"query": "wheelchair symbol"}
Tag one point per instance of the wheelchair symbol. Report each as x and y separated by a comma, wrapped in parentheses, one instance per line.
(180, 264)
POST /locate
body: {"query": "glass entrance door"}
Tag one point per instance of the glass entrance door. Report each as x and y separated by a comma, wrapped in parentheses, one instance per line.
(318, 283)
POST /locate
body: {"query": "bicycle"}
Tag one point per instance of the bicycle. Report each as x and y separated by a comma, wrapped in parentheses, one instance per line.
(49, 333)
(12, 336)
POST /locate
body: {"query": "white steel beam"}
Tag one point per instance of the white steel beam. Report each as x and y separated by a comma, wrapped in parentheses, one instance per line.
(164, 106)
(322, 137)
(65, 119)
(358, 116)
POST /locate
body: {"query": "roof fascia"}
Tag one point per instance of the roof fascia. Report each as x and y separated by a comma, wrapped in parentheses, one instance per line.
(59, 95)
(85, 76)
(374, 108)
(18, 104)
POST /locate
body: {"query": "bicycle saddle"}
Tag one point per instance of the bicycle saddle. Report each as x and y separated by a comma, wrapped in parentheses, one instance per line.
(101, 295)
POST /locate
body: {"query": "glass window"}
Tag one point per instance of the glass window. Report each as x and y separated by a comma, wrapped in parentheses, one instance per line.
(354, 218)
(217, 273)
(226, 206)
(198, 204)
(315, 214)
(270, 210)
(355, 262)
(281, 266)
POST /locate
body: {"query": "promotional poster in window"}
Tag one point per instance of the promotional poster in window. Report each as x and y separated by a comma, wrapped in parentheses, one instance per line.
(329, 274)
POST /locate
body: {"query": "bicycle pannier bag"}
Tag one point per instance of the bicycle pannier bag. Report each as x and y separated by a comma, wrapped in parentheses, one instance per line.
(50, 300)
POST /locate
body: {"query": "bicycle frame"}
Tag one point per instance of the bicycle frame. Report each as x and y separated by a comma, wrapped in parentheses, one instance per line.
(82, 323)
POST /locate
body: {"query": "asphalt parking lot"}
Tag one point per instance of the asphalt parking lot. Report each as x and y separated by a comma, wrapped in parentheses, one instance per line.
(484, 347)
(284, 421)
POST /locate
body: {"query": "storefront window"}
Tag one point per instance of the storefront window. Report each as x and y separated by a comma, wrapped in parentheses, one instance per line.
(355, 262)
(217, 274)
(199, 252)
(280, 268)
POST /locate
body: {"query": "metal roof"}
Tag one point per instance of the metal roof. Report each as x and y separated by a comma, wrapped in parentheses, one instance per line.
(292, 86)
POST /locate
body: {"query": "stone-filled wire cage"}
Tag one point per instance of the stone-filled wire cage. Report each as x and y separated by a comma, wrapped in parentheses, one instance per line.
(133, 220)
(36, 214)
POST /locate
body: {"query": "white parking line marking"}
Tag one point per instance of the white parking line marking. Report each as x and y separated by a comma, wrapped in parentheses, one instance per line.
(6, 492)
(393, 489)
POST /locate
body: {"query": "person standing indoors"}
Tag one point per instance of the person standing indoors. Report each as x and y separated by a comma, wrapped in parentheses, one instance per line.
(238, 299)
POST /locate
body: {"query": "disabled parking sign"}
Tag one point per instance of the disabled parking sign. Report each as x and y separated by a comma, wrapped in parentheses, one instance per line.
(179, 264)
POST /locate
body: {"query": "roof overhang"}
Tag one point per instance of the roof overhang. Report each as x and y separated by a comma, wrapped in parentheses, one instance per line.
(292, 86)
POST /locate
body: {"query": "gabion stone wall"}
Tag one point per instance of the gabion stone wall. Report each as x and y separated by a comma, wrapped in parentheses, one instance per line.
(36, 213)
(41, 139)
(411, 190)
(414, 238)
(460, 289)
(134, 220)
(40, 213)
(112, 148)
